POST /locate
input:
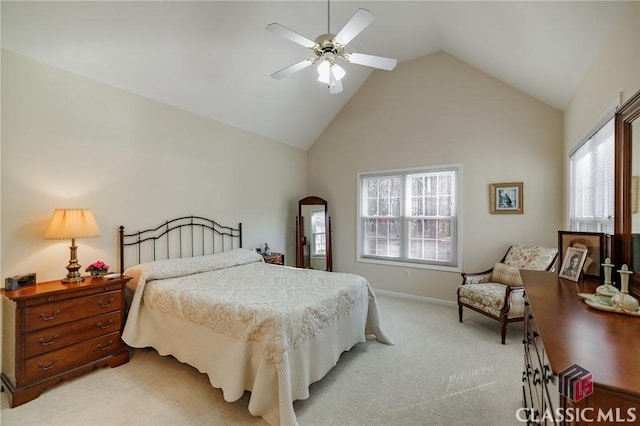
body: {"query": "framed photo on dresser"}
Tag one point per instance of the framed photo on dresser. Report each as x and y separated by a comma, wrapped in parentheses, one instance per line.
(573, 263)
(595, 243)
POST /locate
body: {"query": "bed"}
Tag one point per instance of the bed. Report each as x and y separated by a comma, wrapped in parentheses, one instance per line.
(269, 329)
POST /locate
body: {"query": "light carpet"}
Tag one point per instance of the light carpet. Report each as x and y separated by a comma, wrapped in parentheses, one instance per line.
(439, 372)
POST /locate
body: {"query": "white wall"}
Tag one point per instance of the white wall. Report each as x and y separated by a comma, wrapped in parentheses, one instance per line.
(439, 110)
(71, 142)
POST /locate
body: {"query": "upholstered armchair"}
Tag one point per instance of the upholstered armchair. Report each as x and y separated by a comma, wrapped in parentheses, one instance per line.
(498, 292)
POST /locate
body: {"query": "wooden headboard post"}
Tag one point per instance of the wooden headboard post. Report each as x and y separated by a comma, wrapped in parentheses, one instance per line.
(199, 230)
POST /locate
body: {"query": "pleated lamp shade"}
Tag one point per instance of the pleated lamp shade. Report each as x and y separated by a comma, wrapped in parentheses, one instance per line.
(68, 224)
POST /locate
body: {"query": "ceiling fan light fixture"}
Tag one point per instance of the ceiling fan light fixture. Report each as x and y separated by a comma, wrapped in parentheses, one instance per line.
(329, 72)
(338, 71)
(335, 87)
(324, 70)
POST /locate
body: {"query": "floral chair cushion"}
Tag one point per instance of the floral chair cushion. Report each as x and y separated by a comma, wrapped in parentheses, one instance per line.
(489, 297)
(530, 257)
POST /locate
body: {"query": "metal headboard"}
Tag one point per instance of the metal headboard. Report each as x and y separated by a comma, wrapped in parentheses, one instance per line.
(187, 236)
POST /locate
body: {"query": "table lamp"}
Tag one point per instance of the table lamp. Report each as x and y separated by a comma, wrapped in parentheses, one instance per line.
(71, 224)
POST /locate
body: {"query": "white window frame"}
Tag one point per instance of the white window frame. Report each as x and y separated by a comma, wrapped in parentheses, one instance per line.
(456, 247)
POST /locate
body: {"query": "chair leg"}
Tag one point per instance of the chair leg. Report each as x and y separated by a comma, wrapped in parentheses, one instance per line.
(503, 329)
(460, 312)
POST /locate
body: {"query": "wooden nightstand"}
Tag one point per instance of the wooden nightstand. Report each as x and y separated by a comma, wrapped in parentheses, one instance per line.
(54, 331)
(275, 258)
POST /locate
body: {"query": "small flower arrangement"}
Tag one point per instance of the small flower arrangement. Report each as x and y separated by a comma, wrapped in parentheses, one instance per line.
(97, 268)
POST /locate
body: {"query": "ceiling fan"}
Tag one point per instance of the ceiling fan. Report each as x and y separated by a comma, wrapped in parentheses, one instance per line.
(330, 48)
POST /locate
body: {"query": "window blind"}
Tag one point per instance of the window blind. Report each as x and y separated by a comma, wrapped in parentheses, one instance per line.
(591, 183)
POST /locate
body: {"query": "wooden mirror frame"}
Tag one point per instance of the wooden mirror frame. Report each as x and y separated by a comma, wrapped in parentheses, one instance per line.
(622, 247)
(312, 201)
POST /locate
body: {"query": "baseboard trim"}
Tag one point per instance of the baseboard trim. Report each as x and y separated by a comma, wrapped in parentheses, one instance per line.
(414, 297)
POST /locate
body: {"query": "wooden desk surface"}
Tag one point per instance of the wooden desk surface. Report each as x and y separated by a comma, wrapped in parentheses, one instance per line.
(605, 343)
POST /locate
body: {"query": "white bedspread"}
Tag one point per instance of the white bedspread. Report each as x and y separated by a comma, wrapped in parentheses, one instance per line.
(271, 320)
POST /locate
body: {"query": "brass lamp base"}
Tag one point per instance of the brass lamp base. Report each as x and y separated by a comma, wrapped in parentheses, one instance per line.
(73, 276)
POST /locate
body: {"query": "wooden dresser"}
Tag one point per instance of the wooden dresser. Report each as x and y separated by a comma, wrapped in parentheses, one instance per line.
(53, 331)
(560, 331)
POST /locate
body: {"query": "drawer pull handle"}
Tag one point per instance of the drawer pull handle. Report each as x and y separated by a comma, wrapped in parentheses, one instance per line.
(43, 343)
(49, 367)
(546, 376)
(105, 326)
(106, 305)
(104, 348)
(536, 377)
(46, 318)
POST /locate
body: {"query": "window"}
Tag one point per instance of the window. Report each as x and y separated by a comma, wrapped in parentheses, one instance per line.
(410, 217)
(318, 236)
(591, 182)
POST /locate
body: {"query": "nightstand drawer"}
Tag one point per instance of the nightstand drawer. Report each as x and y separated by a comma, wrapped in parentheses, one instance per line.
(56, 362)
(71, 293)
(51, 314)
(46, 340)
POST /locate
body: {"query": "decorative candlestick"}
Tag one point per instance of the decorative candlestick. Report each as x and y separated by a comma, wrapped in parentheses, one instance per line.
(608, 266)
(608, 289)
(624, 300)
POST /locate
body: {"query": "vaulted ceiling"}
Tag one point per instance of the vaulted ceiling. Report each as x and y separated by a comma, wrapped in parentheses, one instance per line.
(215, 58)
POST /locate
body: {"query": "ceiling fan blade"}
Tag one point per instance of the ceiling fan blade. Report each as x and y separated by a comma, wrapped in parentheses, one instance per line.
(292, 68)
(285, 32)
(371, 61)
(358, 22)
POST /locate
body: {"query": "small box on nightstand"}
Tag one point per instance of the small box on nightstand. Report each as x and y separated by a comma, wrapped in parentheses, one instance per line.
(274, 258)
(19, 281)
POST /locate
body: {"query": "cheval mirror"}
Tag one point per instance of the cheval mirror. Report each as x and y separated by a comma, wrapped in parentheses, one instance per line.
(627, 213)
(313, 235)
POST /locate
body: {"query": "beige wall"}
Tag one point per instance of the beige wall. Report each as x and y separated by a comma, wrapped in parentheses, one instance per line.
(614, 75)
(72, 142)
(439, 110)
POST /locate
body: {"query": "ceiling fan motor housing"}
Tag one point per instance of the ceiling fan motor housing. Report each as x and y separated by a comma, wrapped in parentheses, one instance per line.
(325, 44)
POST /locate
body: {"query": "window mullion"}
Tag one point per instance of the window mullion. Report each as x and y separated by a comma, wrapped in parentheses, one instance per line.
(404, 226)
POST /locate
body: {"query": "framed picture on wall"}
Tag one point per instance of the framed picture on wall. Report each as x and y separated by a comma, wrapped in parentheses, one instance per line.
(506, 198)
(573, 263)
(593, 242)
